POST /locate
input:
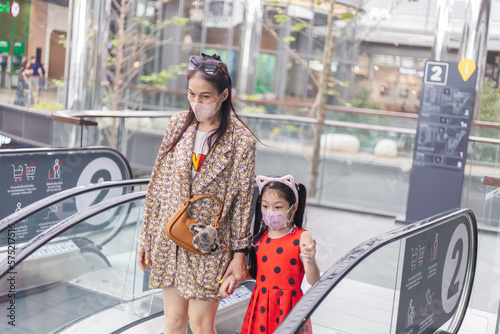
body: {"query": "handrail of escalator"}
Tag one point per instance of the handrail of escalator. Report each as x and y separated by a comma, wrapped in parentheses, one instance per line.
(318, 292)
(23, 252)
(62, 195)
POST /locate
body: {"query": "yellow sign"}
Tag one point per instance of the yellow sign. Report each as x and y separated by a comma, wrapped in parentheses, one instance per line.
(466, 67)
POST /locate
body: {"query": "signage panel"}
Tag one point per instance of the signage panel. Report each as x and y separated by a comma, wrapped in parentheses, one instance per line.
(434, 273)
(445, 112)
(27, 178)
(4, 47)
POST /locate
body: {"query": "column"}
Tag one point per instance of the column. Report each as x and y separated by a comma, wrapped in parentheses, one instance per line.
(86, 53)
(442, 32)
(474, 39)
(250, 46)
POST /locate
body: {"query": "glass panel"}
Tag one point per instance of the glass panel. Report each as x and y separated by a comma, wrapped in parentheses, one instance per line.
(192, 31)
(419, 283)
(77, 274)
(485, 296)
(265, 75)
(363, 301)
(49, 216)
(348, 158)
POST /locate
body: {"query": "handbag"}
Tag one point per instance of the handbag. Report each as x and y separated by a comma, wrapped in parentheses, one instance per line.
(178, 225)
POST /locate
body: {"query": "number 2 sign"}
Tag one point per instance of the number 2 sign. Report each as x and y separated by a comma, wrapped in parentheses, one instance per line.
(455, 266)
(436, 73)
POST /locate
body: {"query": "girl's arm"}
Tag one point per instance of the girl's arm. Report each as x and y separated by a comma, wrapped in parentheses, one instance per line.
(227, 286)
(307, 255)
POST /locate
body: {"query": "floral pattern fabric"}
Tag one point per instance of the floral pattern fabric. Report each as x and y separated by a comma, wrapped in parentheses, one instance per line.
(228, 172)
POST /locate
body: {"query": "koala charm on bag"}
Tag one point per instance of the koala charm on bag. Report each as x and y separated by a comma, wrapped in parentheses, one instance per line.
(205, 237)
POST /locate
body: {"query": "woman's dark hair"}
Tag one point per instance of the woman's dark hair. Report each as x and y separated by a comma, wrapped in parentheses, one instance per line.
(259, 228)
(24, 63)
(220, 80)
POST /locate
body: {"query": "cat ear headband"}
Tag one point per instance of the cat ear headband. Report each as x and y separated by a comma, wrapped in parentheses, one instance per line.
(287, 180)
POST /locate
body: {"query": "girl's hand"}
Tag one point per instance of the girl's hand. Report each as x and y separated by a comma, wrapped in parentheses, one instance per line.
(237, 267)
(308, 251)
(144, 259)
(227, 286)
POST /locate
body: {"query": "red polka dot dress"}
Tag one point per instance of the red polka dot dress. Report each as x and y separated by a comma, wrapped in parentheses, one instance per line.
(277, 287)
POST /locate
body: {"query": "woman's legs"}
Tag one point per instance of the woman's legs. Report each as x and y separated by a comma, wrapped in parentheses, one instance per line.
(202, 316)
(176, 311)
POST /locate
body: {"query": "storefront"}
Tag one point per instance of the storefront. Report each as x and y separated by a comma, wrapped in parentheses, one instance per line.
(14, 33)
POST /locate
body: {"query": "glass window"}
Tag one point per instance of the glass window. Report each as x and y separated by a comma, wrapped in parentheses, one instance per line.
(266, 69)
(192, 31)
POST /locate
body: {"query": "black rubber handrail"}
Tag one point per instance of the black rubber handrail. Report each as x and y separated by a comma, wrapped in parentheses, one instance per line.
(62, 195)
(41, 239)
(302, 311)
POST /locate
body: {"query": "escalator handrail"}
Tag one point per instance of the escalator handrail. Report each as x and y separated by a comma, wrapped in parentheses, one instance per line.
(39, 205)
(41, 239)
(318, 292)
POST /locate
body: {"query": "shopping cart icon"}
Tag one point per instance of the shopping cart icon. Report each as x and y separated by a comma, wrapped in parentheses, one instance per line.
(30, 172)
(19, 172)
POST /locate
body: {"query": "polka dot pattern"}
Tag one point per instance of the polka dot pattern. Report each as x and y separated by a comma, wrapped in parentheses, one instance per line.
(278, 289)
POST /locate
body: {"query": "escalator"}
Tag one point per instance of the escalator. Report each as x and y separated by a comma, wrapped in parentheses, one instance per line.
(76, 278)
(82, 272)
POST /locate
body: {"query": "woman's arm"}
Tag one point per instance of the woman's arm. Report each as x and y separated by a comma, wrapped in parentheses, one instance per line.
(152, 202)
(242, 213)
(307, 255)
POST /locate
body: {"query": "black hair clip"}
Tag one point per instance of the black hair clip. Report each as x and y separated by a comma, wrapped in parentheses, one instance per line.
(214, 56)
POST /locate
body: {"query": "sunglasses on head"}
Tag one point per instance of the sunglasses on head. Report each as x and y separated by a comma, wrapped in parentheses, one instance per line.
(210, 64)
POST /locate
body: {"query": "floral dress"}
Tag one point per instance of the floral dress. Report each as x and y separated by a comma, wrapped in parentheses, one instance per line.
(277, 288)
(227, 173)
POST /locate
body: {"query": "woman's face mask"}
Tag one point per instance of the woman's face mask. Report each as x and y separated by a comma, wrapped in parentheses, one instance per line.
(275, 220)
(202, 111)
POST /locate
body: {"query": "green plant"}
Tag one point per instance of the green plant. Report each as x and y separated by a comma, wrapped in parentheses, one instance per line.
(489, 109)
(48, 106)
(159, 80)
(57, 83)
(254, 110)
(361, 99)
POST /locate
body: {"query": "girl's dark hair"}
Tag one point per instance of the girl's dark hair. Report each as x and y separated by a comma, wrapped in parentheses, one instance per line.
(220, 80)
(259, 228)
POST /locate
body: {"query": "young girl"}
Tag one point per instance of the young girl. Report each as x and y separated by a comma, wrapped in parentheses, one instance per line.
(281, 253)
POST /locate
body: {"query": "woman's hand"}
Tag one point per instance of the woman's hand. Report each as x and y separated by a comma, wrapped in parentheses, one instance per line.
(237, 267)
(144, 259)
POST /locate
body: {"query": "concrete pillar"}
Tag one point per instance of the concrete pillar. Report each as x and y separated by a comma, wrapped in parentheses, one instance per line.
(474, 39)
(442, 32)
(86, 52)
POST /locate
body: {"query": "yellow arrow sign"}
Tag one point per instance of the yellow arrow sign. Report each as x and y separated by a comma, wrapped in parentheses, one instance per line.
(466, 67)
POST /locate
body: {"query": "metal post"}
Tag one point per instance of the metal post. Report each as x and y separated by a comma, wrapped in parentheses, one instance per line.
(250, 46)
(474, 38)
(86, 52)
(442, 33)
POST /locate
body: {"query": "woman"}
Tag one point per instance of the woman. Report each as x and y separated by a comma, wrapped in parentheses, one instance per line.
(24, 95)
(206, 149)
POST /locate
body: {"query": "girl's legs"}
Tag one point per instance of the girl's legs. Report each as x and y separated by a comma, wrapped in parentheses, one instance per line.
(176, 311)
(202, 316)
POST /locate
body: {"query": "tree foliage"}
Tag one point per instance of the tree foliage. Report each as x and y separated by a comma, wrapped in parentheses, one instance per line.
(131, 49)
(339, 29)
(489, 109)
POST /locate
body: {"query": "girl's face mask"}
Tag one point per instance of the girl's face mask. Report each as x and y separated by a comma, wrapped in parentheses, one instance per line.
(276, 220)
(202, 111)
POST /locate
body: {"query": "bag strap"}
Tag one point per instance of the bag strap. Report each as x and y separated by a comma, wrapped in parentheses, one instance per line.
(215, 224)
